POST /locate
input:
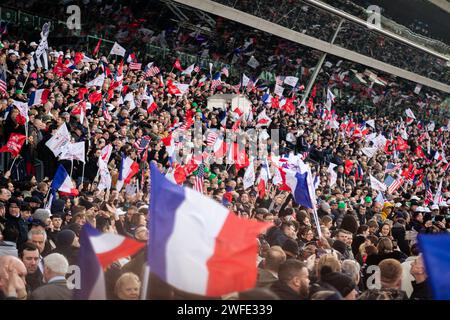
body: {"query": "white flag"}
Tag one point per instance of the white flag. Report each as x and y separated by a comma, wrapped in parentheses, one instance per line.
(371, 123)
(105, 179)
(182, 87)
(370, 152)
(73, 151)
(409, 113)
(332, 173)
(23, 108)
(330, 99)
(89, 60)
(60, 139)
(97, 82)
(328, 64)
(417, 88)
(118, 50)
(252, 62)
(188, 70)
(431, 126)
(245, 80)
(380, 141)
(130, 97)
(106, 153)
(377, 185)
(292, 81)
(278, 90)
(249, 176)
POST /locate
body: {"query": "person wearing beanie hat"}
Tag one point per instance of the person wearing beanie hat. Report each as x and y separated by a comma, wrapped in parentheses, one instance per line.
(68, 245)
(42, 214)
(342, 283)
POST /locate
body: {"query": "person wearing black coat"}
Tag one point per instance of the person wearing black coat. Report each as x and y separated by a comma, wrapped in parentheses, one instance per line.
(46, 155)
(284, 292)
(16, 228)
(67, 245)
(399, 233)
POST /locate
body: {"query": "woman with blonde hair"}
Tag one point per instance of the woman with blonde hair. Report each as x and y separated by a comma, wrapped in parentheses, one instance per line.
(128, 287)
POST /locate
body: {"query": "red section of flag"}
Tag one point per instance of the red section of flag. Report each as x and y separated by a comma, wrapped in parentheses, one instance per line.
(232, 266)
(348, 166)
(14, 144)
(177, 65)
(97, 47)
(95, 96)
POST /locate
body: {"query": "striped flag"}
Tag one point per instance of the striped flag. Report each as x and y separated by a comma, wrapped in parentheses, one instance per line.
(216, 81)
(198, 184)
(392, 168)
(395, 185)
(211, 138)
(141, 143)
(428, 192)
(135, 66)
(39, 59)
(3, 86)
(152, 71)
(438, 197)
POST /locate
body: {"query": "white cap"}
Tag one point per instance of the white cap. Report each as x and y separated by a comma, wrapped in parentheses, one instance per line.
(398, 204)
(415, 198)
(427, 209)
(434, 207)
(448, 201)
(443, 204)
(420, 209)
(33, 44)
(14, 52)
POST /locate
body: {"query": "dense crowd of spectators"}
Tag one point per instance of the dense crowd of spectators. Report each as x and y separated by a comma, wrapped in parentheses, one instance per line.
(360, 227)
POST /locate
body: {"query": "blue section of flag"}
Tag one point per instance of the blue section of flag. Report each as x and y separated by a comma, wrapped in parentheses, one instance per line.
(380, 198)
(90, 268)
(58, 180)
(31, 99)
(165, 198)
(301, 192)
(121, 167)
(388, 181)
(436, 255)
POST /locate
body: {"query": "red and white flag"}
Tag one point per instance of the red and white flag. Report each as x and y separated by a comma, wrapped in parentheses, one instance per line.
(135, 66)
(14, 144)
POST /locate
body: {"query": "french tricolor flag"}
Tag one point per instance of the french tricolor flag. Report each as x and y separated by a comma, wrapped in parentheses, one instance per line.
(63, 183)
(38, 97)
(196, 244)
(302, 186)
(128, 169)
(98, 251)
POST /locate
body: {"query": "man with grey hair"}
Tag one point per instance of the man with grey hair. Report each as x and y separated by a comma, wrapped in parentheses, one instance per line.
(352, 269)
(55, 269)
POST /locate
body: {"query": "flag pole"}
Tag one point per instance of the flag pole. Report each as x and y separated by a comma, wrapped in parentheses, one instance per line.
(12, 165)
(71, 168)
(145, 280)
(82, 175)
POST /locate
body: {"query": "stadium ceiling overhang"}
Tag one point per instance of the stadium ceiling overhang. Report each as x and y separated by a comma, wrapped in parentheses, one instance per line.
(255, 22)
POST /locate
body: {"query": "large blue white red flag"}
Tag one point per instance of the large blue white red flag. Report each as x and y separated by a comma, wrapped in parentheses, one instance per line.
(220, 256)
(97, 252)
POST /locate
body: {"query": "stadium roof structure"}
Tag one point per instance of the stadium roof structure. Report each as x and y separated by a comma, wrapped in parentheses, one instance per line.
(262, 24)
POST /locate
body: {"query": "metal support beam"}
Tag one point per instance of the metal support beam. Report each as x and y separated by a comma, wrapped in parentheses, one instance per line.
(303, 39)
(319, 65)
